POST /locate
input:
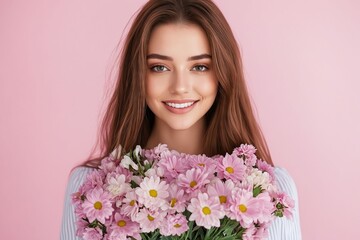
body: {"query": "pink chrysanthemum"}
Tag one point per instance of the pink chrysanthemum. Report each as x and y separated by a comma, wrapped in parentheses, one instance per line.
(231, 167)
(79, 211)
(206, 211)
(154, 154)
(81, 225)
(284, 204)
(209, 188)
(150, 220)
(247, 152)
(258, 232)
(265, 167)
(262, 231)
(185, 158)
(267, 208)
(130, 207)
(176, 199)
(123, 226)
(174, 225)
(93, 180)
(172, 165)
(76, 197)
(117, 185)
(221, 190)
(92, 234)
(153, 193)
(119, 170)
(97, 205)
(108, 164)
(193, 180)
(155, 172)
(245, 149)
(161, 149)
(246, 209)
(203, 162)
(249, 232)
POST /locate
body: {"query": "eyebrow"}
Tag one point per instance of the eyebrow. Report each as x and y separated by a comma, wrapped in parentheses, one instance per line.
(163, 57)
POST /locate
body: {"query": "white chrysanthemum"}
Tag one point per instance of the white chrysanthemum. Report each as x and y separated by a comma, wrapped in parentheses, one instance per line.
(257, 178)
(117, 186)
(126, 162)
(137, 151)
(155, 172)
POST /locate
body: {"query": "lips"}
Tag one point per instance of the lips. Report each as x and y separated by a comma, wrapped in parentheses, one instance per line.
(180, 106)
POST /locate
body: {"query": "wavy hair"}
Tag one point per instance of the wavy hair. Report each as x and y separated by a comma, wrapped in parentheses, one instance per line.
(230, 121)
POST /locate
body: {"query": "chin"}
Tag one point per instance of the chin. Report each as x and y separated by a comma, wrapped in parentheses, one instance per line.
(178, 123)
(180, 126)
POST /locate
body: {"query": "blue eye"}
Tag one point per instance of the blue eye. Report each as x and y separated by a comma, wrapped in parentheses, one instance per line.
(159, 68)
(200, 68)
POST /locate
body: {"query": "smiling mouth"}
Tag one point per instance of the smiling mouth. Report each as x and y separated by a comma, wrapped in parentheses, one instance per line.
(180, 105)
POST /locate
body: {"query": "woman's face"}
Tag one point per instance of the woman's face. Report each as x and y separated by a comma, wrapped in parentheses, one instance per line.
(180, 82)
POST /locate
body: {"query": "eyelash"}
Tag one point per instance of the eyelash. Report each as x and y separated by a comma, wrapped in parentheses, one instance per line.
(155, 68)
(201, 66)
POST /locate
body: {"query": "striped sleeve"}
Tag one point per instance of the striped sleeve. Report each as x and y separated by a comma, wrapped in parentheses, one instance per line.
(68, 226)
(283, 228)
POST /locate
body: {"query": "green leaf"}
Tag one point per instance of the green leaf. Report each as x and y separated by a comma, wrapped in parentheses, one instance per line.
(257, 190)
(133, 184)
(279, 213)
(150, 236)
(147, 167)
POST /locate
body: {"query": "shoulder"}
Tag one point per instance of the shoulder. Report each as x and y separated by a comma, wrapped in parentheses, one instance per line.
(77, 177)
(283, 228)
(80, 172)
(282, 174)
(285, 182)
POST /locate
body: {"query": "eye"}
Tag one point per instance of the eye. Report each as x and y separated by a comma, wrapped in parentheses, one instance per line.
(159, 68)
(200, 68)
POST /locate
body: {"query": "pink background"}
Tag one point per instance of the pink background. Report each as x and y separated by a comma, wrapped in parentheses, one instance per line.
(301, 61)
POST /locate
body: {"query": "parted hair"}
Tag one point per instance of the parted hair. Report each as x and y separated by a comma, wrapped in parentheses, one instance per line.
(230, 121)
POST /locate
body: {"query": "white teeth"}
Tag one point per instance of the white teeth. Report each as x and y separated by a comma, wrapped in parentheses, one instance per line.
(180, 105)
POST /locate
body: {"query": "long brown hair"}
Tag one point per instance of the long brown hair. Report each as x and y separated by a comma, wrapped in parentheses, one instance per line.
(230, 121)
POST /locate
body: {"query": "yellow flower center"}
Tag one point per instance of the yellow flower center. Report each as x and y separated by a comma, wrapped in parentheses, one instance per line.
(193, 184)
(177, 225)
(173, 202)
(150, 218)
(206, 210)
(201, 164)
(121, 223)
(222, 199)
(98, 205)
(132, 203)
(153, 193)
(242, 208)
(229, 170)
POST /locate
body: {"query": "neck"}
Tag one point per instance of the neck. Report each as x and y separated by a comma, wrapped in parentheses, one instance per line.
(188, 141)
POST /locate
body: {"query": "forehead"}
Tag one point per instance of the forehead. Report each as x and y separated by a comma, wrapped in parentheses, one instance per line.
(176, 38)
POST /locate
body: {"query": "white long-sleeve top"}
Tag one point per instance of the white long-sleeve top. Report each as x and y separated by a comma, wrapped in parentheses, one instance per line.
(280, 229)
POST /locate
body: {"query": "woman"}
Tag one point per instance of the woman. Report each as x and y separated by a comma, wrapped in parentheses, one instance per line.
(181, 83)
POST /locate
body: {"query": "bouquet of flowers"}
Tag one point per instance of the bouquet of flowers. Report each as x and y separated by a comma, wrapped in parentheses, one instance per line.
(163, 194)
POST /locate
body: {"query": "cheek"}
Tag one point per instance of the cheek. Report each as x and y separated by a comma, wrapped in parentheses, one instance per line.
(150, 87)
(209, 87)
(154, 89)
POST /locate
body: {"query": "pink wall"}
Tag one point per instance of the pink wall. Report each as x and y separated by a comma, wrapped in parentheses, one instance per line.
(300, 61)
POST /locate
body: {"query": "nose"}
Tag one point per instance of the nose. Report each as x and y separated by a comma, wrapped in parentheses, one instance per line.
(180, 83)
